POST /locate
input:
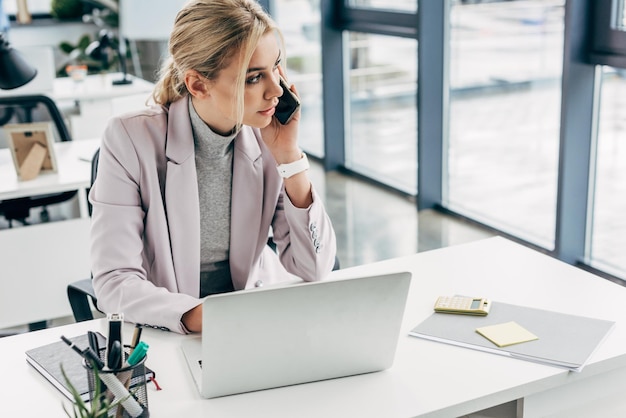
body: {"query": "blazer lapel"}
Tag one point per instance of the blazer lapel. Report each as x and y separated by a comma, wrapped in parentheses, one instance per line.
(181, 199)
(246, 205)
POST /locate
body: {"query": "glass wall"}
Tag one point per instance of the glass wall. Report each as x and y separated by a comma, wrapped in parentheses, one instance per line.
(490, 138)
(299, 21)
(608, 238)
(382, 133)
(397, 5)
(620, 15)
(505, 90)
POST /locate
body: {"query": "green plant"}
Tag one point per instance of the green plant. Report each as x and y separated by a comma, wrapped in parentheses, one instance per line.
(103, 15)
(77, 54)
(66, 9)
(99, 407)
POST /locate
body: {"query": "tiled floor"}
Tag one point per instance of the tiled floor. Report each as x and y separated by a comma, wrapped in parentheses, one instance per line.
(373, 223)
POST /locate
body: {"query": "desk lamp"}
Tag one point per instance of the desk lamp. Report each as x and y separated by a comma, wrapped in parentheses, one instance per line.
(14, 70)
(99, 50)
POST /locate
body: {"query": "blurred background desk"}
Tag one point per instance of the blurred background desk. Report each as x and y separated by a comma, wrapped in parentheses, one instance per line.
(38, 261)
(88, 104)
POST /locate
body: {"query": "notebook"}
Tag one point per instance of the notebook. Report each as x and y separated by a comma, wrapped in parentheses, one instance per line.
(290, 334)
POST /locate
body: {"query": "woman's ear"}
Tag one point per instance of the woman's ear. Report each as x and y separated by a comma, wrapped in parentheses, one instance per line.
(197, 85)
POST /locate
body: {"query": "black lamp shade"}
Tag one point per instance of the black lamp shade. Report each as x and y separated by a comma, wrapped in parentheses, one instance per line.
(14, 70)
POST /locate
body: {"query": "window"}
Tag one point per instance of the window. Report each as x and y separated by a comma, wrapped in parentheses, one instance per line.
(606, 226)
(382, 140)
(379, 59)
(608, 238)
(505, 90)
(497, 100)
(608, 44)
(398, 5)
(299, 21)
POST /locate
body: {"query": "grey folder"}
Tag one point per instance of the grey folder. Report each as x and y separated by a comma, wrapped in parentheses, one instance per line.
(564, 340)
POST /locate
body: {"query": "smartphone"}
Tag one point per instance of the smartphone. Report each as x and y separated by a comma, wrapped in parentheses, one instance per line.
(288, 104)
(462, 305)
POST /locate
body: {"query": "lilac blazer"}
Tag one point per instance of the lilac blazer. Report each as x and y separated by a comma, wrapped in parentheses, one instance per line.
(145, 232)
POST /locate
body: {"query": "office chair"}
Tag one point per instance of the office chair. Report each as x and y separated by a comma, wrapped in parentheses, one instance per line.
(27, 109)
(81, 292)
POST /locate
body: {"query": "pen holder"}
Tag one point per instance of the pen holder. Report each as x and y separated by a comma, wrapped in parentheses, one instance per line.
(124, 388)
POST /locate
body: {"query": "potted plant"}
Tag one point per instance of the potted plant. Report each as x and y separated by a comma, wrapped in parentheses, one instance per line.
(77, 56)
(85, 52)
(66, 9)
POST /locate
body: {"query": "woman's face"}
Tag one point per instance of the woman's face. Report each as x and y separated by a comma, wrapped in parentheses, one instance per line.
(261, 90)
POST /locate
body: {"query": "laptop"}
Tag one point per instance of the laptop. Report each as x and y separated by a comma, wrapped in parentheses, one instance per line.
(297, 333)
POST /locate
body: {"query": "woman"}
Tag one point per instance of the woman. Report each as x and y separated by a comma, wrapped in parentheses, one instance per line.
(188, 190)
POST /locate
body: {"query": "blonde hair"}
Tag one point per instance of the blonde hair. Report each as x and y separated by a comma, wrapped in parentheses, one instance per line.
(207, 35)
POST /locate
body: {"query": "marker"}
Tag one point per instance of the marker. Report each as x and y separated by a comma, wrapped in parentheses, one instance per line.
(138, 354)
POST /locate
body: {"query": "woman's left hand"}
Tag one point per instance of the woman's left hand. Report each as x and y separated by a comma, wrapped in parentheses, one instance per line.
(282, 140)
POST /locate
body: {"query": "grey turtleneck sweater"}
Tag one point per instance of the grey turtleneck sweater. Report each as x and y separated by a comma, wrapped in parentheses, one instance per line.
(214, 167)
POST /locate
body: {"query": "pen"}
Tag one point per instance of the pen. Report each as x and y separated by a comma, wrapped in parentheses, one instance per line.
(87, 353)
(93, 342)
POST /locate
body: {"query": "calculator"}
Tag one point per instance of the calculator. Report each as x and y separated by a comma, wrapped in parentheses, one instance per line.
(462, 305)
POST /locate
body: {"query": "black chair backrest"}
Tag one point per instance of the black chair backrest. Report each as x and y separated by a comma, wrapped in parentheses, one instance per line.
(94, 165)
(20, 109)
(94, 172)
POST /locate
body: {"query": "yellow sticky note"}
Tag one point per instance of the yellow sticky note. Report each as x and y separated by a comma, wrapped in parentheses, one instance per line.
(505, 334)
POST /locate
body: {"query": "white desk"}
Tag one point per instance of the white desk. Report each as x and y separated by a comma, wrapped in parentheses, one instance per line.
(38, 261)
(99, 87)
(74, 173)
(89, 104)
(428, 379)
(97, 99)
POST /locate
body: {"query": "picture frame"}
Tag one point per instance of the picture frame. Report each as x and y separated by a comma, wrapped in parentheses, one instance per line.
(32, 148)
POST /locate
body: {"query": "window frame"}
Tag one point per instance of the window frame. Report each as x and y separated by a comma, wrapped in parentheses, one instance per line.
(607, 43)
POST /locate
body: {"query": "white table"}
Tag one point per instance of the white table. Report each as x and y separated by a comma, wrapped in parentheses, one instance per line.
(39, 260)
(99, 87)
(74, 173)
(96, 99)
(428, 379)
(87, 105)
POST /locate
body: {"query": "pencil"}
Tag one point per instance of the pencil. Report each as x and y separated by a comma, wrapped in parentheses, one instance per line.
(136, 337)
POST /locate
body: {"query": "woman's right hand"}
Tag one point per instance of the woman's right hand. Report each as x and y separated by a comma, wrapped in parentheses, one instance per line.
(192, 319)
